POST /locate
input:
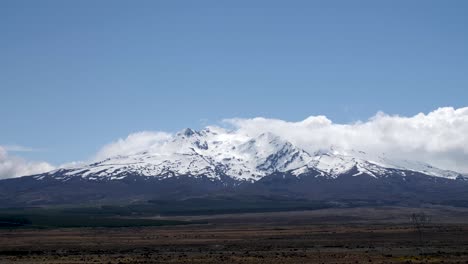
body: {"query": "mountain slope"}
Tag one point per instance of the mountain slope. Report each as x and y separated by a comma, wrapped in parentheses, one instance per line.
(203, 163)
(207, 153)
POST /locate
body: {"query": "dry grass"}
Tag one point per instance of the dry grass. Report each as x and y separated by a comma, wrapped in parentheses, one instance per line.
(277, 238)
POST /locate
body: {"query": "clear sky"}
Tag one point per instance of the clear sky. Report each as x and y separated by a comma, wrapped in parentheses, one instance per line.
(75, 75)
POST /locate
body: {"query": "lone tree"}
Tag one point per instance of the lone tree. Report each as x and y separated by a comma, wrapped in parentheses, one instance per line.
(419, 222)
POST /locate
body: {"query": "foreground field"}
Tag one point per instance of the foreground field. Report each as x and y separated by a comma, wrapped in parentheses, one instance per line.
(360, 235)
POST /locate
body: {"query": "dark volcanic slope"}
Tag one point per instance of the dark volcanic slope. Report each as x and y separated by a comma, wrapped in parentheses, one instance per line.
(413, 189)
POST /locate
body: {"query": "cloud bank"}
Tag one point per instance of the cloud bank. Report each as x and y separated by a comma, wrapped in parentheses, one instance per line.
(13, 166)
(134, 143)
(439, 138)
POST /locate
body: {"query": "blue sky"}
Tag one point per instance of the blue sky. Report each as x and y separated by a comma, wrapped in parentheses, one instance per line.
(76, 75)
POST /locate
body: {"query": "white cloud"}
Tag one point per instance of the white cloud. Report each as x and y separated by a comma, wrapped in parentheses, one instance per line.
(13, 166)
(439, 137)
(134, 143)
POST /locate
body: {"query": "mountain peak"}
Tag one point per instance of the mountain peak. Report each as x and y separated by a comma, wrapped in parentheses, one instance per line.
(188, 132)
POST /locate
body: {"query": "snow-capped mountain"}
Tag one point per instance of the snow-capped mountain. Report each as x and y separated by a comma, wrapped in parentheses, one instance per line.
(207, 153)
(209, 163)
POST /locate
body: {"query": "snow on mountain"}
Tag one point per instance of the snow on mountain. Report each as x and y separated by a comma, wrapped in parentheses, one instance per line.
(214, 154)
(336, 164)
(400, 164)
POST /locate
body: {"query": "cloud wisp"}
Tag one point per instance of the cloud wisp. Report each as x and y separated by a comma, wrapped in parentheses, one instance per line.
(18, 148)
(13, 166)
